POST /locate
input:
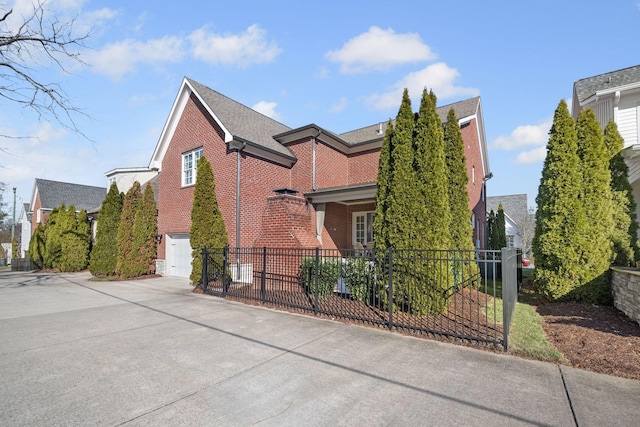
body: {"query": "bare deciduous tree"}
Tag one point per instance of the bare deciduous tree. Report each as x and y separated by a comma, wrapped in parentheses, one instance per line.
(29, 43)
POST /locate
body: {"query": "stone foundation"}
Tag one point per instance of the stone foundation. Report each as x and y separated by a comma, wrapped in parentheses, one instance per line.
(625, 285)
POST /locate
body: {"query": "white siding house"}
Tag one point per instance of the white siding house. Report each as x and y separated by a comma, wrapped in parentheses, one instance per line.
(615, 96)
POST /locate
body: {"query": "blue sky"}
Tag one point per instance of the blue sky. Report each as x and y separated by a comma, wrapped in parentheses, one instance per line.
(341, 65)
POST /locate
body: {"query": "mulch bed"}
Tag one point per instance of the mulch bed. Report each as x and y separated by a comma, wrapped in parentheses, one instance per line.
(465, 320)
(592, 337)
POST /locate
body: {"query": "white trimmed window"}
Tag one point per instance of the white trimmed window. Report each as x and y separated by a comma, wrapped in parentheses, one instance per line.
(362, 226)
(190, 166)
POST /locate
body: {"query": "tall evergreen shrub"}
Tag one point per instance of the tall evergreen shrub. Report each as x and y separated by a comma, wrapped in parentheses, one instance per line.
(625, 230)
(145, 229)
(37, 247)
(53, 237)
(461, 228)
(104, 255)
(561, 221)
(595, 196)
(125, 266)
(76, 241)
(207, 224)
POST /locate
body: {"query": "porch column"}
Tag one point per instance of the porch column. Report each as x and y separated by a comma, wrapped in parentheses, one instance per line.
(320, 209)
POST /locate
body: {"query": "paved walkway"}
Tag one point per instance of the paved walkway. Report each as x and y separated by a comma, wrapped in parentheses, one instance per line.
(149, 352)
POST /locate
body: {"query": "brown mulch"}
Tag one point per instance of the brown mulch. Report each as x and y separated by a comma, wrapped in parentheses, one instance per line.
(592, 337)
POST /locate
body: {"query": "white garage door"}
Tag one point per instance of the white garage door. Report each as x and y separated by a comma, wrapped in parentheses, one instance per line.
(178, 261)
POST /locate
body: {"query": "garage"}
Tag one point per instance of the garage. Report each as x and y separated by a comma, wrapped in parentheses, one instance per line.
(178, 262)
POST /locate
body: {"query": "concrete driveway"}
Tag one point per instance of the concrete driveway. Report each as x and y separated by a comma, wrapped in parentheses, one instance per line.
(149, 352)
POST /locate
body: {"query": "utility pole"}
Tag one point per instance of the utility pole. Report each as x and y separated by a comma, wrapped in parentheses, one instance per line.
(13, 225)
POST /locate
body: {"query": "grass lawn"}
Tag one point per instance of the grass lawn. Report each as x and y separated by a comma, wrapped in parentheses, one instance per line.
(526, 337)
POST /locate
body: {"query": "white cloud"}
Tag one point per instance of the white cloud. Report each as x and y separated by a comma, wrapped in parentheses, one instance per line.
(532, 156)
(118, 59)
(380, 50)
(250, 47)
(524, 136)
(438, 77)
(268, 109)
(339, 106)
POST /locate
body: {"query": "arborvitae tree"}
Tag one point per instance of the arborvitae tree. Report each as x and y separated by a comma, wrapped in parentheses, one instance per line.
(130, 204)
(385, 172)
(625, 231)
(52, 237)
(403, 194)
(595, 196)
(104, 255)
(145, 229)
(76, 241)
(37, 247)
(207, 225)
(501, 228)
(560, 219)
(460, 229)
(432, 213)
(493, 227)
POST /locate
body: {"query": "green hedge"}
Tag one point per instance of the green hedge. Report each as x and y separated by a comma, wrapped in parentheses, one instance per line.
(328, 273)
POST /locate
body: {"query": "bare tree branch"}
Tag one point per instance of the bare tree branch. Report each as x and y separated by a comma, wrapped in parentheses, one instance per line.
(38, 38)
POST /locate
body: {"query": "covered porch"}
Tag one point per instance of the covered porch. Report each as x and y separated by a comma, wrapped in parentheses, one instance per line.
(344, 215)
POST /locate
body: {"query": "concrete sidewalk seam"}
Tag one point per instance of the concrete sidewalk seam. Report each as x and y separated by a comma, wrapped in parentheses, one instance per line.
(566, 390)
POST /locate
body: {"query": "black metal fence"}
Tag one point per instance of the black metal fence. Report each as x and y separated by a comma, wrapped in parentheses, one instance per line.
(465, 295)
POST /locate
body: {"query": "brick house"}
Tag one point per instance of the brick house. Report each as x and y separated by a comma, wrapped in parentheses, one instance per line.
(282, 187)
(48, 195)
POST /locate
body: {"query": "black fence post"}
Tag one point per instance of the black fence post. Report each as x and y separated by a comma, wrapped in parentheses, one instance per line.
(225, 254)
(390, 287)
(315, 306)
(263, 280)
(205, 273)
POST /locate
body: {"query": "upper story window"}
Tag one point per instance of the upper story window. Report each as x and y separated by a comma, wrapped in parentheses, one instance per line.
(190, 166)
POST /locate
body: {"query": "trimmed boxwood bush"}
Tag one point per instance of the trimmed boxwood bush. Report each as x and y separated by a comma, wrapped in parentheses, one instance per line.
(358, 275)
(328, 274)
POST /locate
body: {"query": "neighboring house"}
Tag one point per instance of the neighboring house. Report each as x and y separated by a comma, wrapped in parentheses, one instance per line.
(25, 224)
(281, 187)
(615, 96)
(48, 195)
(515, 213)
(125, 177)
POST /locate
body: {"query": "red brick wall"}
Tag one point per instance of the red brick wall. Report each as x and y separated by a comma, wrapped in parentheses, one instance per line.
(259, 178)
(194, 130)
(363, 167)
(288, 222)
(332, 167)
(475, 186)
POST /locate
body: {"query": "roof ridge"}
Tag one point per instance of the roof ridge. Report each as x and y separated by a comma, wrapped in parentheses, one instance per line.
(236, 101)
(608, 72)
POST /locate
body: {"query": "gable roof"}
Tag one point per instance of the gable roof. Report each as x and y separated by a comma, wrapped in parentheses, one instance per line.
(251, 131)
(590, 86)
(463, 109)
(55, 193)
(514, 205)
(242, 126)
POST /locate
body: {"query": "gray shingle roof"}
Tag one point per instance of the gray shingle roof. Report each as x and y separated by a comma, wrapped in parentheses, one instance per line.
(242, 121)
(585, 88)
(55, 193)
(462, 109)
(514, 205)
